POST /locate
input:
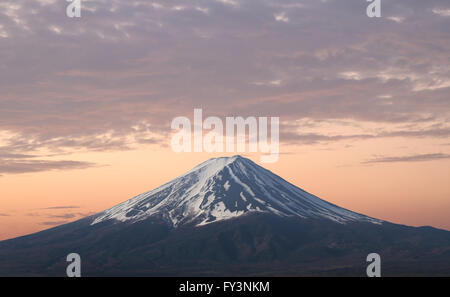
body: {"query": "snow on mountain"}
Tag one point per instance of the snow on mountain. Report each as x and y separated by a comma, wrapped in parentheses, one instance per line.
(225, 188)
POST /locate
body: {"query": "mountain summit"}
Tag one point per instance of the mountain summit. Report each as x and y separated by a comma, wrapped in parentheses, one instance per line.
(224, 188)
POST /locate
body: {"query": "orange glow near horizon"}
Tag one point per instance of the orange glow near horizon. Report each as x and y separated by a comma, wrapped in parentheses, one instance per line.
(413, 193)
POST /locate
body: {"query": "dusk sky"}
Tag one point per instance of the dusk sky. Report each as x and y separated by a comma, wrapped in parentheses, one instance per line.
(86, 104)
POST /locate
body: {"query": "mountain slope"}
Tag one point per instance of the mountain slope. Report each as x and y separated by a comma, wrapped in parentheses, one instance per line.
(224, 188)
(227, 217)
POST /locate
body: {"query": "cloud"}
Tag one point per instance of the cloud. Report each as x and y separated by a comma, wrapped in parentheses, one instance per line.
(437, 133)
(139, 64)
(62, 216)
(58, 215)
(290, 134)
(150, 140)
(62, 207)
(53, 223)
(5, 155)
(281, 17)
(411, 158)
(442, 12)
(4, 215)
(86, 214)
(233, 3)
(26, 166)
(70, 215)
(313, 138)
(397, 19)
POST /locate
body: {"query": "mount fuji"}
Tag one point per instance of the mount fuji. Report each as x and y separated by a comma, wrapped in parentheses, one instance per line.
(225, 188)
(228, 217)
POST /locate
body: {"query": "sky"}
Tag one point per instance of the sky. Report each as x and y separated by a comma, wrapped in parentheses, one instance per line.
(86, 104)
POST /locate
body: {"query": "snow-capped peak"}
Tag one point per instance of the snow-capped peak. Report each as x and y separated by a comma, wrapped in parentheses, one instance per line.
(224, 188)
